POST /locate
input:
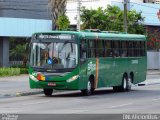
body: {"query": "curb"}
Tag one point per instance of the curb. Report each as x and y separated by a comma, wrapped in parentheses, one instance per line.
(25, 93)
(18, 94)
(156, 72)
(153, 73)
(150, 82)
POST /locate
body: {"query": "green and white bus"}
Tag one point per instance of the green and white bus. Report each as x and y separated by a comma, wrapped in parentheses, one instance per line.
(86, 60)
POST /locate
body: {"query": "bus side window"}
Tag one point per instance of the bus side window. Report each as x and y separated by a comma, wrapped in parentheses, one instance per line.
(83, 49)
(130, 49)
(108, 48)
(123, 52)
(100, 48)
(142, 48)
(137, 49)
(116, 48)
(91, 49)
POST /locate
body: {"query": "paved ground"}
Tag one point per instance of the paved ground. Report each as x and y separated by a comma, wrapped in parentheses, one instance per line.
(15, 85)
(142, 99)
(19, 85)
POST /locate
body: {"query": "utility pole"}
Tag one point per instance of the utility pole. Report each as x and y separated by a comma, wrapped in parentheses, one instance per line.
(125, 15)
(78, 15)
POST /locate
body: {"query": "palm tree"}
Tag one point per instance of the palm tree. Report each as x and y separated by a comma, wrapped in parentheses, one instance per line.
(57, 7)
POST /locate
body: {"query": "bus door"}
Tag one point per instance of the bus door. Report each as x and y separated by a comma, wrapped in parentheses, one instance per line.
(83, 64)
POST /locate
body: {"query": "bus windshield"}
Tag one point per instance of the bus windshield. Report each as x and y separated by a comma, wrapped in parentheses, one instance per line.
(54, 55)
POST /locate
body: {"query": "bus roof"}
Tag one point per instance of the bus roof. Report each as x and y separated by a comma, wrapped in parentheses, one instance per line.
(101, 35)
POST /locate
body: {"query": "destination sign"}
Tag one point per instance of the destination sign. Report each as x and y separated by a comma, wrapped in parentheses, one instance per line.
(56, 36)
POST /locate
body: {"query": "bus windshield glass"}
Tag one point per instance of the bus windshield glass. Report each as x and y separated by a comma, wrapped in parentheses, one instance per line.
(54, 55)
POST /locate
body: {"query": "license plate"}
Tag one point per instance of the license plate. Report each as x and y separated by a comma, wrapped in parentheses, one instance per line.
(51, 84)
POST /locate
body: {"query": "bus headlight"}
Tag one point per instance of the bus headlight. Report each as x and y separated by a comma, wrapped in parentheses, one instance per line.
(72, 78)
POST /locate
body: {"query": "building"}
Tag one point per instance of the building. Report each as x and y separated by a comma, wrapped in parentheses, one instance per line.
(20, 19)
(152, 1)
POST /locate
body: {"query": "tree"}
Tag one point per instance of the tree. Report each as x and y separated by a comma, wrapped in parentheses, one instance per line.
(19, 50)
(57, 8)
(111, 19)
(93, 18)
(63, 22)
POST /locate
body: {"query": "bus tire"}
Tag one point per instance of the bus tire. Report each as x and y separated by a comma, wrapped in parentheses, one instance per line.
(124, 84)
(123, 87)
(116, 88)
(48, 92)
(129, 83)
(89, 90)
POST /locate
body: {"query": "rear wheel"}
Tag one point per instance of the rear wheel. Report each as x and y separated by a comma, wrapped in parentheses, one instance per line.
(48, 92)
(123, 87)
(89, 89)
(129, 83)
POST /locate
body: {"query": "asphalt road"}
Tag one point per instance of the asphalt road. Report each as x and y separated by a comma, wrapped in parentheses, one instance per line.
(142, 99)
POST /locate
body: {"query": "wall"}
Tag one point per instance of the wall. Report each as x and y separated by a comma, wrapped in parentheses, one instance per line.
(18, 27)
(35, 9)
(153, 60)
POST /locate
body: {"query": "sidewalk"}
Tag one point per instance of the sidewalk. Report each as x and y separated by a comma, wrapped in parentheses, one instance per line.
(19, 85)
(153, 72)
(16, 86)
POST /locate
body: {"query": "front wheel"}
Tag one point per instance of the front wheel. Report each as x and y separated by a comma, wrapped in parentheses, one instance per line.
(89, 89)
(48, 92)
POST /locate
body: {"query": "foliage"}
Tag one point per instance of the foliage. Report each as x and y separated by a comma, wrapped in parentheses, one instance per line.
(20, 66)
(135, 22)
(63, 22)
(18, 49)
(9, 71)
(12, 71)
(153, 38)
(111, 19)
(23, 71)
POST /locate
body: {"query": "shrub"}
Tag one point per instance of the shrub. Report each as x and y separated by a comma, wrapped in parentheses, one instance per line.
(9, 71)
(23, 71)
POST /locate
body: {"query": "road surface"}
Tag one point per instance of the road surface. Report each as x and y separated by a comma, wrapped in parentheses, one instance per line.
(142, 99)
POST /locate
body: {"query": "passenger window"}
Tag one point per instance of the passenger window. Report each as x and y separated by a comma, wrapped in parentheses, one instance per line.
(83, 49)
(107, 49)
(137, 49)
(116, 49)
(123, 52)
(100, 49)
(91, 48)
(130, 50)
